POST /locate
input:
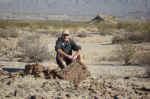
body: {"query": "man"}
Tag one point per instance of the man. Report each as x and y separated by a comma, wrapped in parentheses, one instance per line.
(64, 46)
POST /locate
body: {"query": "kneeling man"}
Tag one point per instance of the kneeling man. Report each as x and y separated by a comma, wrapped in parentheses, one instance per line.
(64, 47)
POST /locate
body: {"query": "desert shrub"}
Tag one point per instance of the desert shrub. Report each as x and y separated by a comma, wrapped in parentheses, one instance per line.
(8, 48)
(3, 24)
(9, 32)
(148, 70)
(3, 46)
(105, 28)
(145, 29)
(41, 24)
(143, 58)
(118, 39)
(126, 52)
(136, 31)
(130, 27)
(34, 49)
(82, 35)
(9, 23)
(134, 37)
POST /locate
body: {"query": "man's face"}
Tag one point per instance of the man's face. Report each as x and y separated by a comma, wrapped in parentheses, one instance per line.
(66, 38)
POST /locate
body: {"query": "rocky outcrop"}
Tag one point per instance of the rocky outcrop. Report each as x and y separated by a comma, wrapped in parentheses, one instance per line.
(104, 18)
(34, 69)
(74, 72)
(27, 87)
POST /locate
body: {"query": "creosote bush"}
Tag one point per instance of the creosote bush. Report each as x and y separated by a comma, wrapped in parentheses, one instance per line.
(40, 24)
(9, 32)
(139, 32)
(82, 35)
(144, 59)
(126, 52)
(34, 49)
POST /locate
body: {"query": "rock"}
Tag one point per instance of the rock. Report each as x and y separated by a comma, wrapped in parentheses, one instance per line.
(97, 19)
(3, 75)
(2, 72)
(15, 74)
(104, 18)
(37, 97)
(54, 73)
(74, 72)
(34, 69)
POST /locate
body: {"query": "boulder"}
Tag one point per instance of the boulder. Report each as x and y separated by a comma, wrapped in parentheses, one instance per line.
(75, 72)
(37, 97)
(34, 69)
(104, 18)
(2, 72)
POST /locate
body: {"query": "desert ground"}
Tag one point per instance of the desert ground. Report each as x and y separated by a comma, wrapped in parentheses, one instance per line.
(111, 77)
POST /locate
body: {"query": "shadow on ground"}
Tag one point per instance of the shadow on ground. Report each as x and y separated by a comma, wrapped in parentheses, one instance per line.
(13, 69)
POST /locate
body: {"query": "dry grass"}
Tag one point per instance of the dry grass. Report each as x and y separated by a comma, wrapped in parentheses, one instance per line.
(126, 52)
(41, 24)
(8, 48)
(10, 32)
(34, 49)
(144, 58)
(105, 28)
(130, 27)
(136, 32)
(3, 45)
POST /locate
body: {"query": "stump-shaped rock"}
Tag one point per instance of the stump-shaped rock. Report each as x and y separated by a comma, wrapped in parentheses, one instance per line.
(34, 69)
(75, 72)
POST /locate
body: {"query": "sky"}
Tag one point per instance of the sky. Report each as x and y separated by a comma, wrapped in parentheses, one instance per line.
(78, 7)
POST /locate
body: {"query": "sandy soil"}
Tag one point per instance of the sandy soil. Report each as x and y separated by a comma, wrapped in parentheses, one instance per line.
(96, 51)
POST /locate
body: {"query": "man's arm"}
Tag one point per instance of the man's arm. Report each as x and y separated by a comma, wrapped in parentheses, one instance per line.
(77, 53)
(76, 48)
(60, 51)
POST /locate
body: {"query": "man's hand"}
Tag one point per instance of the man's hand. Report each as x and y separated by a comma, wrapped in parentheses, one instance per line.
(75, 57)
(70, 57)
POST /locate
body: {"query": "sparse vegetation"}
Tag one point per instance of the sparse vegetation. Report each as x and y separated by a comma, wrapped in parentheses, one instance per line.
(130, 27)
(3, 46)
(105, 28)
(6, 33)
(82, 35)
(139, 32)
(34, 42)
(126, 52)
(34, 49)
(40, 24)
(143, 58)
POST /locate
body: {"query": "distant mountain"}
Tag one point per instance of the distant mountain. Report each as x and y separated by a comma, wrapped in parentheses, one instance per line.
(76, 7)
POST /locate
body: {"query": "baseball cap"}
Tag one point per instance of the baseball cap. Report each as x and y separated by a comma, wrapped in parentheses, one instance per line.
(66, 32)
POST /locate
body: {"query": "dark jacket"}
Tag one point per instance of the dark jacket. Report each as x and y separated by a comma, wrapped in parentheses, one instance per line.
(67, 47)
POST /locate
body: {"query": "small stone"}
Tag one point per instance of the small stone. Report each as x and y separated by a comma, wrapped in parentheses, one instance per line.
(33, 69)
(37, 97)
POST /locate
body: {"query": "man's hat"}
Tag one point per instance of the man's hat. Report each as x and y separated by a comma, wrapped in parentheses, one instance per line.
(66, 32)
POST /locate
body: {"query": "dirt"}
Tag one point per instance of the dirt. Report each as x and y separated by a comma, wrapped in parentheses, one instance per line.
(108, 79)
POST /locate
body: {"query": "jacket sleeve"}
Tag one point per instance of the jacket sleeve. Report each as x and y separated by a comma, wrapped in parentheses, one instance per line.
(58, 45)
(75, 46)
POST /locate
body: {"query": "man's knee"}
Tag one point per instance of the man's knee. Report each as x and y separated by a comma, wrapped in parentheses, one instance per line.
(79, 56)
